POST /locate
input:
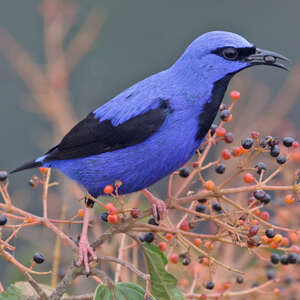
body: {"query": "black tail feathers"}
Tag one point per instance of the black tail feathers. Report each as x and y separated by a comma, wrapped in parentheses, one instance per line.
(29, 165)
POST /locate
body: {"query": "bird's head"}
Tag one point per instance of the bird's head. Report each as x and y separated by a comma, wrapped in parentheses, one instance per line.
(217, 54)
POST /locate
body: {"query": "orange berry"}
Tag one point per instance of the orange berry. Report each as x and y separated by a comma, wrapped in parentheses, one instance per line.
(295, 156)
(30, 219)
(169, 236)
(257, 212)
(274, 245)
(226, 154)
(208, 245)
(174, 258)
(243, 150)
(185, 226)
(109, 205)
(197, 242)
(276, 291)
(209, 185)
(289, 199)
(220, 131)
(248, 178)
(43, 170)
(109, 189)
(293, 237)
(162, 246)
(235, 95)
(112, 219)
(265, 239)
(226, 285)
(285, 242)
(236, 151)
(277, 238)
(80, 213)
(205, 261)
(112, 210)
(254, 222)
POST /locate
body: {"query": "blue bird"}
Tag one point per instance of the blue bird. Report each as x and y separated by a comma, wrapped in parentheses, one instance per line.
(155, 126)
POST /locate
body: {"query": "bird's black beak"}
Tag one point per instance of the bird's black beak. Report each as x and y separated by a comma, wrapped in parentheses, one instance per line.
(265, 57)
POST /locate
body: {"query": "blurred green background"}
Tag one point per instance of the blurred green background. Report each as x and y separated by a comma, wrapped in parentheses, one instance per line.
(138, 38)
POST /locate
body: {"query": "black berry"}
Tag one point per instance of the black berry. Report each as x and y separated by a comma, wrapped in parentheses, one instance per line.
(275, 258)
(104, 216)
(3, 175)
(228, 138)
(267, 198)
(38, 258)
(275, 151)
(260, 167)
(270, 274)
(224, 115)
(201, 200)
(239, 279)
(270, 233)
(213, 129)
(284, 259)
(200, 208)
(3, 220)
(220, 169)
(259, 195)
(184, 172)
(186, 261)
(216, 206)
(149, 237)
(281, 159)
(210, 285)
(288, 141)
(292, 258)
(152, 222)
(247, 143)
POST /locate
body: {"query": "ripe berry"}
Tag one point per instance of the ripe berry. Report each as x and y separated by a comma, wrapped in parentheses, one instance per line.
(259, 195)
(254, 241)
(284, 259)
(288, 141)
(186, 261)
(289, 199)
(80, 213)
(265, 215)
(197, 242)
(216, 206)
(209, 245)
(184, 172)
(270, 274)
(221, 131)
(239, 279)
(38, 258)
(220, 169)
(210, 285)
(185, 226)
(3, 220)
(203, 200)
(225, 114)
(109, 189)
(235, 95)
(174, 258)
(236, 151)
(270, 233)
(3, 175)
(295, 144)
(228, 138)
(226, 154)
(43, 170)
(281, 159)
(213, 129)
(135, 213)
(149, 237)
(162, 246)
(267, 198)
(247, 143)
(104, 217)
(152, 222)
(275, 151)
(275, 258)
(276, 291)
(260, 166)
(209, 185)
(200, 208)
(112, 219)
(292, 258)
(248, 178)
(255, 135)
(277, 238)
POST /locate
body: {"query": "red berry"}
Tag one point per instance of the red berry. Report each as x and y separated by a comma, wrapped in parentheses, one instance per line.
(265, 215)
(43, 170)
(197, 242)
(162, 246)
(235, 95)
(226, 154)
(174, 258)
(253, 230)
(220, 131)
(255, 135)
(236, 151)
(248, 178)
(109, 189)
(295, 144)
(185, 226)
(169, 236)
(228, 138)
(289, 199)
(135, 213)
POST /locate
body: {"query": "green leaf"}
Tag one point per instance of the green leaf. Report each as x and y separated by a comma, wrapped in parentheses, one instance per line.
(12, 293)
(163, 284)
(120, 291)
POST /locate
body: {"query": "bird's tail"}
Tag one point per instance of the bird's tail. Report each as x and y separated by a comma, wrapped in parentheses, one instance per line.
(29, 165)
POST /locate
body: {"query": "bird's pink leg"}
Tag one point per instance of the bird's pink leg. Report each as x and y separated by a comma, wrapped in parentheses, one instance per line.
(159, 207)
(84, 247)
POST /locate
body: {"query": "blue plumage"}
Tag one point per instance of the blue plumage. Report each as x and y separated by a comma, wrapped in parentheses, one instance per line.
(154, 127)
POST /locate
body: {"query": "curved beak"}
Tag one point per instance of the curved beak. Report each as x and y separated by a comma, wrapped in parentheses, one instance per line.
(266, 57)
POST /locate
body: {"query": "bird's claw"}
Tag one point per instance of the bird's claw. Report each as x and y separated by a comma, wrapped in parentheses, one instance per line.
(159, 209)
(84, 250)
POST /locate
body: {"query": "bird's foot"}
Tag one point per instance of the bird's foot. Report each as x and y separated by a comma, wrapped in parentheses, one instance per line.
(159, 207)
(84, 251)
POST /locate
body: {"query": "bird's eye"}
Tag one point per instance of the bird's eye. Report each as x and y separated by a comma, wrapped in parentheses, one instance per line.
(230, 53)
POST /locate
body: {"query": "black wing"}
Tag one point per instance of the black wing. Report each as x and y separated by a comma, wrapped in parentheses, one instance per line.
(92, 137)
